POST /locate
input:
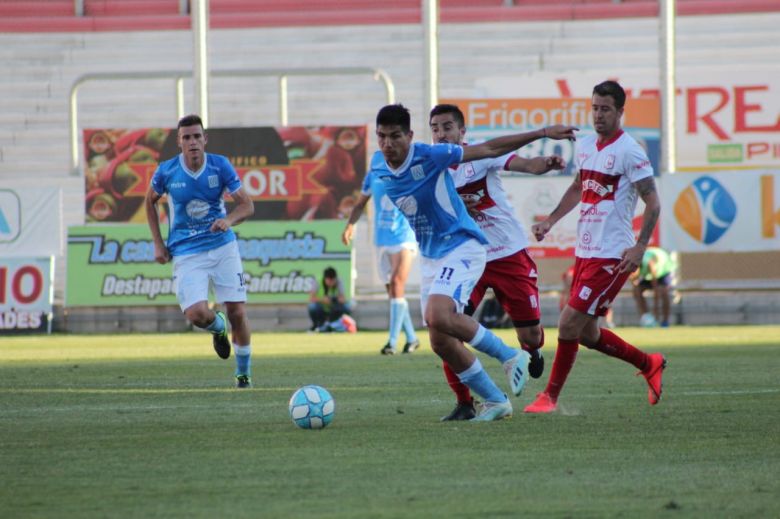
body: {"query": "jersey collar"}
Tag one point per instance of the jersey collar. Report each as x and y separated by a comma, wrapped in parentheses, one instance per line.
(403, 167)
(601, 146)
(193, 174)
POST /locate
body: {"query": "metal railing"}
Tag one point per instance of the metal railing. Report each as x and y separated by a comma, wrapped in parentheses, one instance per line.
(179, 76)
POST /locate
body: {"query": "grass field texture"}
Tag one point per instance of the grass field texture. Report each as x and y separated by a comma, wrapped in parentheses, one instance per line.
(149, 426)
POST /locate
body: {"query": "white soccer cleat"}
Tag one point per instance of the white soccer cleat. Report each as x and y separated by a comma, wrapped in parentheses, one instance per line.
(516, 370)
(492, 411)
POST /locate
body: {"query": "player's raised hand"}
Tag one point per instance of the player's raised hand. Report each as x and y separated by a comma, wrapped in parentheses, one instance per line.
(560, 132)
(541, 229)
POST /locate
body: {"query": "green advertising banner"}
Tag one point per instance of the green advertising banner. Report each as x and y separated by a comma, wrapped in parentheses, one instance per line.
(113, 265)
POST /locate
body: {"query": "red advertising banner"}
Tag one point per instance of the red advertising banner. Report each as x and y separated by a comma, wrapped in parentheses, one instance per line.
(291, 173)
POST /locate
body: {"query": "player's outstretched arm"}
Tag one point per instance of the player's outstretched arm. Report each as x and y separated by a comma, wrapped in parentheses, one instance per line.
(537, 165)
(354, 216)
(161, 254)
(508, 143)
(569, 201)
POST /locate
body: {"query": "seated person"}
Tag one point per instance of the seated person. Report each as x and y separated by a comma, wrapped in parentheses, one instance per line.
(328, 304)
(656, 273)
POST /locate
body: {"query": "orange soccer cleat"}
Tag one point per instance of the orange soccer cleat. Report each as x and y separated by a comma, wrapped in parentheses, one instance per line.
(653, 373)
(544, 403)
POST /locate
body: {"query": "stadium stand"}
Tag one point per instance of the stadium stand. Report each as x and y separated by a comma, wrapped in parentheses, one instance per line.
(46, 48)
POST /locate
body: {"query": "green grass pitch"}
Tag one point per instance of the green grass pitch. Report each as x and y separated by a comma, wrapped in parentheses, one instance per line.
(149, 426)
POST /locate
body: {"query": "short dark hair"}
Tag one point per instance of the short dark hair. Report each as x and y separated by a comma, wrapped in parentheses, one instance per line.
(330, 273)
(613, 90)
(448, 109)
(392, 115)
(190, 120)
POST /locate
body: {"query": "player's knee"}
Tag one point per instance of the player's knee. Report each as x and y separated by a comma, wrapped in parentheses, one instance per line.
(438, 320)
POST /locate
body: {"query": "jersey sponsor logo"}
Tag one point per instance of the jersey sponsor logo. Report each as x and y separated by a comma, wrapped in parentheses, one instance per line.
(478, 189)
(642, 164)
(213, 180)
(598, 186)
(705, 210)
(407, 205)
(178, 185)
(585, 293)
(197, 209)
(418, 173)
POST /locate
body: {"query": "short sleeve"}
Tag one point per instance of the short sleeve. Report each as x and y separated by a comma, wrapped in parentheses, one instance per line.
(637, 164)
(158, 182)
(446, 155)
(366, 188)
(229, 176)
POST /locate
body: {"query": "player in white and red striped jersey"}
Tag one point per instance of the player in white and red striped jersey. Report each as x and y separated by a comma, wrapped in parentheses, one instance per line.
(613, 171)
(509, 270)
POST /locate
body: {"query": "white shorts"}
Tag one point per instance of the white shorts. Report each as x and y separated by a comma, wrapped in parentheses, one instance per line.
(219, 268)
(455, 275)
(386, 252)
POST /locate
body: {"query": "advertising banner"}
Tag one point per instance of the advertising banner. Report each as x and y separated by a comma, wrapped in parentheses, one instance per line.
(535, 197)
(291, 173)
(734, 211)
(488, 118)
(726, 119)
(114, 265)
(30, 221)
(26, 295)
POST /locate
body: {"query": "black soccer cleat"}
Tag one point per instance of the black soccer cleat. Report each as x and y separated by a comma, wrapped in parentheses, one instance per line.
(387, 349)
(409, 347)
(243, 382)
(221, 341)
(536, 364)
(462, 411)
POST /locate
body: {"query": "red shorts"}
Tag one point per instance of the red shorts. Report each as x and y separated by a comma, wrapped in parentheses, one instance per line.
(513, 280)
(596, 284)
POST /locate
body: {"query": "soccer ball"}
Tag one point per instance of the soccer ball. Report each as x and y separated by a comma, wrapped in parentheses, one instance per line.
(312, 407)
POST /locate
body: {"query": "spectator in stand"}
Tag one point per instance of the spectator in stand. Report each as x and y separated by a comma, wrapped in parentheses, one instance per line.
(328, 304)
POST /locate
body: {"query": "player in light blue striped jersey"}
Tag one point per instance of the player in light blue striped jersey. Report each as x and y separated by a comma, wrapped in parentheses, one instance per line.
(452, 247)
(396, 248)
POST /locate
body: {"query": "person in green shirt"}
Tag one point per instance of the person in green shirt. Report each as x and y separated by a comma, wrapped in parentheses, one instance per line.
(656, 273)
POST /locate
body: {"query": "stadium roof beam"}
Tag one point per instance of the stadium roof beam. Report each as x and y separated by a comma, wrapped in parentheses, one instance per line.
(667, 9)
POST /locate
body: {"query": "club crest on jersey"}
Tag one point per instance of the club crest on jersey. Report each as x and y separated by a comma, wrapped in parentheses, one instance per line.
(213, 181)
(418, 173)
(468, 170)
(610, 162)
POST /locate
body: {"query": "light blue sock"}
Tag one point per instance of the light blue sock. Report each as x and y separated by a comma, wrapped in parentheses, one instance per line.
(397, 307)
(243, 359)
(480, 382)
(489, 343)
(218, 326)
(408, 325)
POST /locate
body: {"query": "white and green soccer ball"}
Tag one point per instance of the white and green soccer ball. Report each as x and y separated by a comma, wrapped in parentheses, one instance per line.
(312, 407)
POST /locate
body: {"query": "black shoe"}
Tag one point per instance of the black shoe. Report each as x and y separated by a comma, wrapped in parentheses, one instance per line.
(462, 411)
(409, 347)
(243, 382)
(387, 349)
(221, 341)
(536, 364)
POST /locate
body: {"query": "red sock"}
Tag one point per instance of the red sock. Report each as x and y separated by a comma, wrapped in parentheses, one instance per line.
(460, 389)
(565, 356)
(612, 345)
